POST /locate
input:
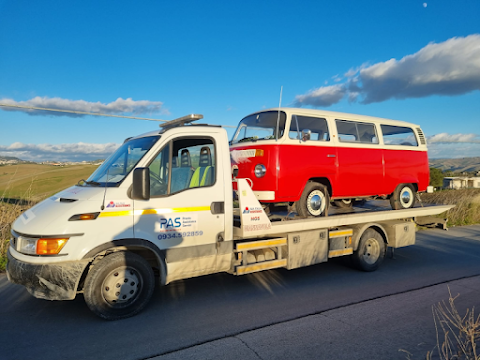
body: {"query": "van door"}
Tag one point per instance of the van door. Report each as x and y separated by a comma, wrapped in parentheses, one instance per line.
(184, 215)
(309, 153)
(360, 160)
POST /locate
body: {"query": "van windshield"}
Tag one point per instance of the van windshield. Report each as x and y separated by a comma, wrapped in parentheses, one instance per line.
(260, 126)
(121, 162)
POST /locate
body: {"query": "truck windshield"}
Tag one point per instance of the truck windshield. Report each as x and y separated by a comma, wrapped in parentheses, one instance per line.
(260, 126)
(121, 162)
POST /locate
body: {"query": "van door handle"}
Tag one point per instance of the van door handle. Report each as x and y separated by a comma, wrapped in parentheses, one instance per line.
(331, 155)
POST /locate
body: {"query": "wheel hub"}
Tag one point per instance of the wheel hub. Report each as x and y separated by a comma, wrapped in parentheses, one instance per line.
(372, 251)
(121, 285)
(316, 203)
(406, 197)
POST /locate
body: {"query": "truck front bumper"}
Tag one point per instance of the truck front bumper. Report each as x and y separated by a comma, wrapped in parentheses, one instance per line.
(57, 281)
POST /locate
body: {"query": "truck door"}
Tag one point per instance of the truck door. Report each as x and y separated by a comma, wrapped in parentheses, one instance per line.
(184, 215)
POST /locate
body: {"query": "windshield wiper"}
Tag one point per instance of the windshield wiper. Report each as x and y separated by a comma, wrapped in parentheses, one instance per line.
(251, 138)
(94, 183)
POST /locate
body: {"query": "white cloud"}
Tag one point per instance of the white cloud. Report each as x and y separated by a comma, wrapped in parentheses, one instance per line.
(61, 152)
(454, 138)
(452, 150)
(425, 5)
(118, 106)
(323, 96)
(448, 68)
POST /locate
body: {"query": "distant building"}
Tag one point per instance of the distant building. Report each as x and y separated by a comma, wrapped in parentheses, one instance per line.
(461, 182)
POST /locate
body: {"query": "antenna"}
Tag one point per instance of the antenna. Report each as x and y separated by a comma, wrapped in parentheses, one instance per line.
(278, 117)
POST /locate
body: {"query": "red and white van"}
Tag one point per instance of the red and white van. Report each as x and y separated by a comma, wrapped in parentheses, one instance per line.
(311, 156)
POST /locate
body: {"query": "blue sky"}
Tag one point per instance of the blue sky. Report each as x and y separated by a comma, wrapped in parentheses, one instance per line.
(417, 61)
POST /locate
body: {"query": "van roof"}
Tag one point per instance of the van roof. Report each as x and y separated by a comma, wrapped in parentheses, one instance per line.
(338, 115)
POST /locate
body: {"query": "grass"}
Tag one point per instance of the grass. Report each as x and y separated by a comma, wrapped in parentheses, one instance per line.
(41, 180)
(466, 201)
(22, 186)
(456, 335)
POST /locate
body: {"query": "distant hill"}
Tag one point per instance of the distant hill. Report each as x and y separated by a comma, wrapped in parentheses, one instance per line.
(7, 158)
(471, 164)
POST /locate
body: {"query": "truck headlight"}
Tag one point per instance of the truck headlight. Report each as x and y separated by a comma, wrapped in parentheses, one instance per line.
(41, 246)
(260, 170)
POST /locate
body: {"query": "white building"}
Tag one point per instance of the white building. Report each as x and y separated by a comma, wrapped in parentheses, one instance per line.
(461, 182)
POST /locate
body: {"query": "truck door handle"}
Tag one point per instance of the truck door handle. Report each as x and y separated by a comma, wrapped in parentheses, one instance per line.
(217, 207)
(331, 155)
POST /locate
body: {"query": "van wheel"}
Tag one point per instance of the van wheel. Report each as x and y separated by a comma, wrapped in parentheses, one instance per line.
(370, 252)
(403, 197)
(344, 203)
(119, 286)
(314, 200)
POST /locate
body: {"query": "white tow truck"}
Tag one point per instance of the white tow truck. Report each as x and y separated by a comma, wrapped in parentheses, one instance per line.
(161, 209)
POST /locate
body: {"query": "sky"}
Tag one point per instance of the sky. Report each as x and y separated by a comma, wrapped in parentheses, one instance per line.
(416, 61)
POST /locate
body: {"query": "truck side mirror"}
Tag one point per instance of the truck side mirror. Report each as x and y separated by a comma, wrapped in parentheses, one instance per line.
(141, 184)
(306, 133)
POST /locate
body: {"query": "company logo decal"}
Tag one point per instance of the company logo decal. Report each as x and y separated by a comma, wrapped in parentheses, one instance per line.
(118, 204)
(178, 227)
(252, 210)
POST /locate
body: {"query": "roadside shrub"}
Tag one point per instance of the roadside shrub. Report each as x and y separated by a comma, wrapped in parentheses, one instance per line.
(466, 201)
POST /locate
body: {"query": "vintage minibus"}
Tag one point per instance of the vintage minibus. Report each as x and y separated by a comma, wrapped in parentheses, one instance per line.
(309, 157)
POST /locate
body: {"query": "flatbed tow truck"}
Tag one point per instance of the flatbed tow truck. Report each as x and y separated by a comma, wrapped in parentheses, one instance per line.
(161, 207)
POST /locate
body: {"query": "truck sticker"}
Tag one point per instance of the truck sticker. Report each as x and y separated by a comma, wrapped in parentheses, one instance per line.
(253, 215)
(115, 204)
(182, 224)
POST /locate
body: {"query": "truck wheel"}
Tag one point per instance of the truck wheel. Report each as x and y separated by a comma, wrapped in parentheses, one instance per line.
(119, 286)
(370, 252)
(314, 200)
(344, 203)
(403, 197)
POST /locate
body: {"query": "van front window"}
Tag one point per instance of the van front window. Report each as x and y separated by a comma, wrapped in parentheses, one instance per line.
(121, 162)
(260, 126)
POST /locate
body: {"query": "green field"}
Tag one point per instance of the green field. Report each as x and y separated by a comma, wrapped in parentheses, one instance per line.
(37, 182)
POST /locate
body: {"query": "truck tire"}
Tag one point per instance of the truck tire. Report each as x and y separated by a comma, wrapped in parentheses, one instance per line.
(370, 252)
(119, 286)
(403, 197)
(314, 200)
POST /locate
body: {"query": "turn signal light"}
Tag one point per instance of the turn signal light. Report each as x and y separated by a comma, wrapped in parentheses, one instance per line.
(50, 246)
(89, 216)
(258, 152)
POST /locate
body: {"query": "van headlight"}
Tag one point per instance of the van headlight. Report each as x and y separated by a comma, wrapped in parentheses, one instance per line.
(40, 246)
(260, 170)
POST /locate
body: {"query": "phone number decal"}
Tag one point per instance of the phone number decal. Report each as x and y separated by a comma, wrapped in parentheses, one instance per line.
(177, 235)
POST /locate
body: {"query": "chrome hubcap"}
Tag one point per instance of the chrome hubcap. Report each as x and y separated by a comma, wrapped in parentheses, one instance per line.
(316, 202)
(406, 197)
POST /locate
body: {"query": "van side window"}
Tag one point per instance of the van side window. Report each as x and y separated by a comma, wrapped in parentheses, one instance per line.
(317, 126)
(352, 131)
(398, 135)
(192, 165)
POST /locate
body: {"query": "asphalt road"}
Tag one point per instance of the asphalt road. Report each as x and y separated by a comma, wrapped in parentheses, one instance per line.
(204, 310)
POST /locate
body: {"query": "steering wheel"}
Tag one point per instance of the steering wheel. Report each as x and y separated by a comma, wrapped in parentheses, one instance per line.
(158, 186)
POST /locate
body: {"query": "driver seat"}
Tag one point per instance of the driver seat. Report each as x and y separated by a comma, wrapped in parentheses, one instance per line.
(182, 175)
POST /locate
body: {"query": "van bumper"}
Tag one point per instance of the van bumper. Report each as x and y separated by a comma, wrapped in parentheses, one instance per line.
(58, 281)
